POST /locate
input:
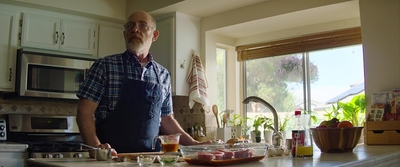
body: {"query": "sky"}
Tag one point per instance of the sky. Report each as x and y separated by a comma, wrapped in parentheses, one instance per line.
(338, 69)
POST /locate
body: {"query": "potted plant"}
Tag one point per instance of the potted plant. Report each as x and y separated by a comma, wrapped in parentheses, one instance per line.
(354, 110)
(268, 132)
(258, 121)
(245, 130)
(283, 125)
(237, 125)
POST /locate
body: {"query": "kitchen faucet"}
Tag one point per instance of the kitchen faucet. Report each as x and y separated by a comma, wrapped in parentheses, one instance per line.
(277, 136)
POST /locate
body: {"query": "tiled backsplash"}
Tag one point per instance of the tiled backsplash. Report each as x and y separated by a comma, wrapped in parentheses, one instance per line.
(36, 106)
(186, 117)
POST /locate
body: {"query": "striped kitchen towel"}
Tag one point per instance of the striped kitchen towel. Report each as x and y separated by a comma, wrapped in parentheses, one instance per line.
(197, 84)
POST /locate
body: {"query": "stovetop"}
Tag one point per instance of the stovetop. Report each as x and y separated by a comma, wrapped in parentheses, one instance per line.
(54, 146)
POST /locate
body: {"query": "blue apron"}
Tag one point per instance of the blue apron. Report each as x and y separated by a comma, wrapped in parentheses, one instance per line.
(134, 123)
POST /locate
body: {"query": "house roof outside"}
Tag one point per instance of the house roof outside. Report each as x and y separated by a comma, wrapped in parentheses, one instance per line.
(356, 89)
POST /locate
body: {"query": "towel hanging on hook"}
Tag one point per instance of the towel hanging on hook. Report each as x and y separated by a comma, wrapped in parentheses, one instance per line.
(197, 84)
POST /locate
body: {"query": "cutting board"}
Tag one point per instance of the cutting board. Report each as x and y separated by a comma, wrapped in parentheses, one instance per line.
(133, 156)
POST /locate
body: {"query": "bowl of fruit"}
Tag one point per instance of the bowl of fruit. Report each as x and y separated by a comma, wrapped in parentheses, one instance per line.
(336, 136)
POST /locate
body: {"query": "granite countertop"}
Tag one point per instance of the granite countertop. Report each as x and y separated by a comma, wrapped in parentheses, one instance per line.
(362, 155)
(12, 147)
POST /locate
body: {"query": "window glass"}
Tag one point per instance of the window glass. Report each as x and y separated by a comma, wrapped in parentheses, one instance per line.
(221, 79)
(280, 81)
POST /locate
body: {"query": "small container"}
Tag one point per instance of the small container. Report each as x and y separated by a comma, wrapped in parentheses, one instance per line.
(145, 160)
(167, 159)
(103, 154)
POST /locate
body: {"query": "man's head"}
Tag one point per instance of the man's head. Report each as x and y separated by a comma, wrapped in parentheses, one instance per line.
(140, 32)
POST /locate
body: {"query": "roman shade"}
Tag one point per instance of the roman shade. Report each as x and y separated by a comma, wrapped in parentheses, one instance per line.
(306, 43)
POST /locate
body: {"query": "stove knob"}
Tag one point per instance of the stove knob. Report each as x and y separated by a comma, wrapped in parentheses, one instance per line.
(2, 134)
(2, 127)
(47, 156)
(58, 155)
(77, 155)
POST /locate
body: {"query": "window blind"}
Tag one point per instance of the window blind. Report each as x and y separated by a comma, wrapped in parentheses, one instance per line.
(325, 40)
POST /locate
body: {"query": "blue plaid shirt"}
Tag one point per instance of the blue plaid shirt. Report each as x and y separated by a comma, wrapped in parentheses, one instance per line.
(104, 78)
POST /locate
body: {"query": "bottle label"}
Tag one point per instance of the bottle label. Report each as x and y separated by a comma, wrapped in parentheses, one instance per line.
(298, 137)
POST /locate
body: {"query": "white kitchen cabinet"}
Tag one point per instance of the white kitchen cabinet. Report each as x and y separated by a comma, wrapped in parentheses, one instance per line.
(111, 40)
(179, 38)
(8, 46)
(61, 34)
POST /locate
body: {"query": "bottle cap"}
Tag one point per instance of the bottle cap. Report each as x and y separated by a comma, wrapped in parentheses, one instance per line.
(297, 112)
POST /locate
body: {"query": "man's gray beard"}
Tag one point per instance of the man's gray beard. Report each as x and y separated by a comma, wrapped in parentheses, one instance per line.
(133, 47)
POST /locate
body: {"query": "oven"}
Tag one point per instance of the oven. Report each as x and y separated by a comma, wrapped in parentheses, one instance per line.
(46, 136)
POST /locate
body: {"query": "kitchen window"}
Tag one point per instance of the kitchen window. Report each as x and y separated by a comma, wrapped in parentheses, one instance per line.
(281, 81)
(221, 78)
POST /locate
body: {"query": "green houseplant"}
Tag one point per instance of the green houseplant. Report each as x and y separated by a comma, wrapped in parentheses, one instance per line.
(258, 121)
(237, 120)
(238, 123)
(268, 130)
(354, 110)
(283, 123)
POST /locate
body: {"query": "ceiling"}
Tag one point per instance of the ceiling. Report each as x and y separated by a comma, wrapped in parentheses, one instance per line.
(204, 8)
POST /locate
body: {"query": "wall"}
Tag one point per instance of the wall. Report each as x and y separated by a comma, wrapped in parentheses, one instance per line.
(380, 25)
(37, 106)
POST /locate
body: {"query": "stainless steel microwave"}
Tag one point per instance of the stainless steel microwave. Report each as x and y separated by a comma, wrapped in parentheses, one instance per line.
(48, 75)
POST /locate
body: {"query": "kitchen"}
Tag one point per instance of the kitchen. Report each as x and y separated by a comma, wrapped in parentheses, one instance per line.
(378, 39)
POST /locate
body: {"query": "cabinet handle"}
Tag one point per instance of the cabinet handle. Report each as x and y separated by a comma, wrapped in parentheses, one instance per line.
(63, 38)
(56, 37)
(9, 79)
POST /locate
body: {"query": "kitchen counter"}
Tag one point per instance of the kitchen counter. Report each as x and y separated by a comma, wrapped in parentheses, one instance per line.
(12, 147)
(13, 154)
(362, 155)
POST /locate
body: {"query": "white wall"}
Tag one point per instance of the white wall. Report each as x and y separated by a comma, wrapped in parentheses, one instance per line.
(380, 26)
(187, 29)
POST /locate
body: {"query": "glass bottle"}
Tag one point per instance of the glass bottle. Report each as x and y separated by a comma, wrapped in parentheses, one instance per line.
(297, 132)
(301, 136)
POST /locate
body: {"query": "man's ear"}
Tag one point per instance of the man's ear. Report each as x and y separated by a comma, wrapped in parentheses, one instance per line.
(155, 35)
(123, 33)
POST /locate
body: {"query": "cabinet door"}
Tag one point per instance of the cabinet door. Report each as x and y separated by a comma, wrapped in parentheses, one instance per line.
(40, 31)
(111, 40)
(8, 46)
(78, 36)
(163, 49)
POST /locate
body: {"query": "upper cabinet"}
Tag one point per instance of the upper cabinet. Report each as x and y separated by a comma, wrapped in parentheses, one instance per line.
(111, 39)
(61, 34)
(179, 38)
(8, 45)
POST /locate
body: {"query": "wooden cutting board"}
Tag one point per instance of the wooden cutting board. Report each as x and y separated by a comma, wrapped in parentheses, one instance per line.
(133, 156)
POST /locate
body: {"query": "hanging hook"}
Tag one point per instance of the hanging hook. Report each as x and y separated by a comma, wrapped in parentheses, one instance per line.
(183, 64)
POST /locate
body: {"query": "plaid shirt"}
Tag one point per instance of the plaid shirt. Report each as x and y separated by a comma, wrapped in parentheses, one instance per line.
(103, 82)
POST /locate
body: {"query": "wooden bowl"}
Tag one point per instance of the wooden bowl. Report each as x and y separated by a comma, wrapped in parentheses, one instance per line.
(336, 140)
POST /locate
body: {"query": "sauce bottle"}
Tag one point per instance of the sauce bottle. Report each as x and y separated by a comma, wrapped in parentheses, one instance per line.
(301, 136)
